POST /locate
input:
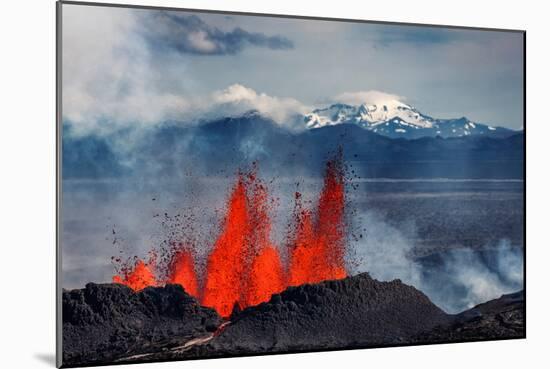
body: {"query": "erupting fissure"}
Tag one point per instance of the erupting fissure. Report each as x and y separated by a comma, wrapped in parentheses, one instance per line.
(137, 277)
(244, 267)
(317, 248)
(182, 272)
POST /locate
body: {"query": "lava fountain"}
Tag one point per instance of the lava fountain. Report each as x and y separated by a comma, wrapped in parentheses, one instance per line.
(265, 272)
(137, 277)
(244, 267)
(317, 246)
(226, 263)
(181, 270)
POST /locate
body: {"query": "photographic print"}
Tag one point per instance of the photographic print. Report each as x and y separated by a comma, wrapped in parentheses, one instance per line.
(235, 184)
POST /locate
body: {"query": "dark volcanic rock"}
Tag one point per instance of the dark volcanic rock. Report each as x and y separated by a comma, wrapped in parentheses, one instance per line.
(354, 312)
(104, 322)
(500, 318)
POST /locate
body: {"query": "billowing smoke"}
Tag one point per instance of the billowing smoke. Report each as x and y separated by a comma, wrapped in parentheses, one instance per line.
(383, 250)
(455, 280)
(467, 277)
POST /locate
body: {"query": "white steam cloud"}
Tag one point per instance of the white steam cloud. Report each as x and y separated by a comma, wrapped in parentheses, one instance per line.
(464, 279)
(383, 251)
(238, 98)
(480, 281)
(371, 97)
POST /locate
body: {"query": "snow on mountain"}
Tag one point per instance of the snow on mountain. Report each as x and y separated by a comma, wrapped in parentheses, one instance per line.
(394, 118)
(367, 115)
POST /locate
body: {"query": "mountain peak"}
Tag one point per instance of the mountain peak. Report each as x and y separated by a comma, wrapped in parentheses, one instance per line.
(391, 117)
(367, 114)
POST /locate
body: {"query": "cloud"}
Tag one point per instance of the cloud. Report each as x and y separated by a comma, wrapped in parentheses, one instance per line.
(387, 35)
(112, 80)
(191, 35)
(371, 97)
(234, 100)
(238, 98)
(109, 75)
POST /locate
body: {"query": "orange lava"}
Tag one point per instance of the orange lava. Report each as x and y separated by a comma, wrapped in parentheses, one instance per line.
(304, 255)
(330, 226)
(226, 262)
(244, 268)
(182, 272)
(317, 250)
(137, 278)
(265, 278)
(265, 272)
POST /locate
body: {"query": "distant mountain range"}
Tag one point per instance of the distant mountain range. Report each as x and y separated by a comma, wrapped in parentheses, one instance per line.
(224, 145)
(395, 119)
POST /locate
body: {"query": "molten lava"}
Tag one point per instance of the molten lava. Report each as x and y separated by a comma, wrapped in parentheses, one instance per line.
(304, 254)
(182, 272)
(244, 267)
(226, 263)
(138, 277)
(265, 278)
(265, 272)
(317, 248)
(330, 221)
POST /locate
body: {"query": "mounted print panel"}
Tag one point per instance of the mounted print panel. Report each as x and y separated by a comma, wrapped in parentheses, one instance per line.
(240, 184)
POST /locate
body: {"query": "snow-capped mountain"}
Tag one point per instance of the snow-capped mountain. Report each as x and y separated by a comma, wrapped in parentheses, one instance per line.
(394, 118)
(367, 115)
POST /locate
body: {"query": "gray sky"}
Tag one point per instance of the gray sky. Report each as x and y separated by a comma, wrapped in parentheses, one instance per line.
(130, 66)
